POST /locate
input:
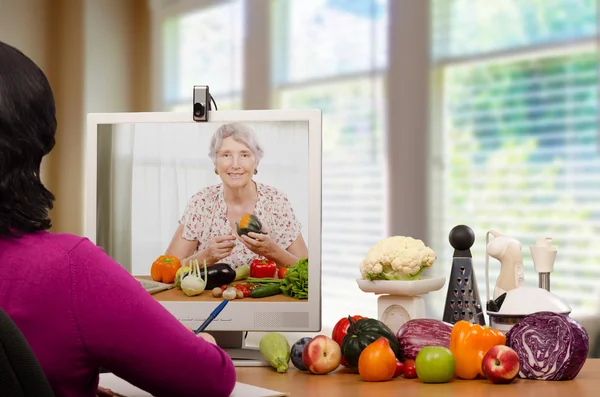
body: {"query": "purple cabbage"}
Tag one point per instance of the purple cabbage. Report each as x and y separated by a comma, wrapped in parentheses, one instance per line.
(415, 334)
(550, 346)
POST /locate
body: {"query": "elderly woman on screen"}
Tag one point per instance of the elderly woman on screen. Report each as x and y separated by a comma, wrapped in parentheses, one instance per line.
(207, 229)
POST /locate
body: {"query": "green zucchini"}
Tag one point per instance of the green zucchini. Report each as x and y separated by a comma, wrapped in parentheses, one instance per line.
(242, 272)
(275, 349)
(265, 290)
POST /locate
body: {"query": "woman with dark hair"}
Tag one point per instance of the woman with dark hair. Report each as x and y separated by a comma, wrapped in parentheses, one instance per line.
(78, 309)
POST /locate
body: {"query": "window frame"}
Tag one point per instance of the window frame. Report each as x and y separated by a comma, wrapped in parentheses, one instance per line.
(438, 145)
(414, 101)
(161, 10)
(408, 24)
(260, 92)
(412, 16)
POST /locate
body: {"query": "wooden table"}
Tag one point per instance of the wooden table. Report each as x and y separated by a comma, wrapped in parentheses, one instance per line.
(177, 295)
(343, 383)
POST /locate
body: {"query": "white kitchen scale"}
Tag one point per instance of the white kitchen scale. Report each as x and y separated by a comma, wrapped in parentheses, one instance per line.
(401, 301)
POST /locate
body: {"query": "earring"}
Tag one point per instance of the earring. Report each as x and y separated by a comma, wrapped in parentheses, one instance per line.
(216, 173)
(255, 171)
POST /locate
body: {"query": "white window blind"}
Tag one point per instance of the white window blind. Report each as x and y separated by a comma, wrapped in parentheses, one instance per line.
(518, 144)
(331, 54)
(203, 47)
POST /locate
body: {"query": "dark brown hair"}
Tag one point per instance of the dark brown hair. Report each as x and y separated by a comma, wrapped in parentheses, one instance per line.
(27, 134)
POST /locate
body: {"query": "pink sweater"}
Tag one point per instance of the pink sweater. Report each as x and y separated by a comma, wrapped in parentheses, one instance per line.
(80, 310)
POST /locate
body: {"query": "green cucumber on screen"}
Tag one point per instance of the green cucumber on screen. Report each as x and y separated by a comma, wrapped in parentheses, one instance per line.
(265, 290)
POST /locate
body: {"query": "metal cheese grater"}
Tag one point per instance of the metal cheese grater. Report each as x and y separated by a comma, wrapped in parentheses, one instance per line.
(462, 299)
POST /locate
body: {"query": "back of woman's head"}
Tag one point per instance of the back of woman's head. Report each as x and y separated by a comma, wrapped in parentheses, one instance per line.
(27, 131)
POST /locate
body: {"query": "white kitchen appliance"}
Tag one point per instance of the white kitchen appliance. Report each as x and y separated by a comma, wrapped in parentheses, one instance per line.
(400, 301)
(507, 250)
(513, 300)
(543, 254)
(523, 301)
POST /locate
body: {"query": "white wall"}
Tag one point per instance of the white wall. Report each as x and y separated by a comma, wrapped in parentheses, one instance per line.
(32, 14)
(108, 55)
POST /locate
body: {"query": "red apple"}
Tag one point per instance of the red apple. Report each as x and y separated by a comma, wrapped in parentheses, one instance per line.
(322, 355)
(500, 364)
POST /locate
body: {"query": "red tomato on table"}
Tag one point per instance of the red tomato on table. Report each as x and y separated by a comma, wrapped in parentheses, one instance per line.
(410, 371)
(282, 272)
(399, 369)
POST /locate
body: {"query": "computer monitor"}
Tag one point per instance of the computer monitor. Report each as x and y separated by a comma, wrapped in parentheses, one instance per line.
(146, 174)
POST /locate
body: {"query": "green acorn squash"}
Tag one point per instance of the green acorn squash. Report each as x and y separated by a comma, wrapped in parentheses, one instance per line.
(363, 332)
(248, 223)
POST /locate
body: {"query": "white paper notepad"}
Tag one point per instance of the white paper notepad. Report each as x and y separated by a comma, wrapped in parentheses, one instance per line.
(126, 389)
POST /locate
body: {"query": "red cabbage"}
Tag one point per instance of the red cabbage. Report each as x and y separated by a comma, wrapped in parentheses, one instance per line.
(550, 346)
(418, 333)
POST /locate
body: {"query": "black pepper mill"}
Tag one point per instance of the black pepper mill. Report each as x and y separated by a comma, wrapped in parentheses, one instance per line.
(462, 299)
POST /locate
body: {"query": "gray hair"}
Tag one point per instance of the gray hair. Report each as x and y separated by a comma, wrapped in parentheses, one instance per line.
(239, 132)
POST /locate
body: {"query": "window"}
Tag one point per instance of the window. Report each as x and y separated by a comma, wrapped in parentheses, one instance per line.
(331, 54)
(203, 46)
(514, 116)
(519, 137)
(328, 54)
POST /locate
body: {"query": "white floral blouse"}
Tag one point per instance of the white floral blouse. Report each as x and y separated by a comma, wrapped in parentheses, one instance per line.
(205, 217)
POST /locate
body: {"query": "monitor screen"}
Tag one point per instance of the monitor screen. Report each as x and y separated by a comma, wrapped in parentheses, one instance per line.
(241, 191)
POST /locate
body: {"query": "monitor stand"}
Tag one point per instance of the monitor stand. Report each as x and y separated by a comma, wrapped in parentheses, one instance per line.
(234, 344)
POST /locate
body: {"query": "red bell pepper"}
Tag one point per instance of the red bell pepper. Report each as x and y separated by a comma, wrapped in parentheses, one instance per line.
(340, 330)
(261, 268)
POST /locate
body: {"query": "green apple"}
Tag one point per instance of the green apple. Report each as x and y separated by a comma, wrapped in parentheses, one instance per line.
(435, 364)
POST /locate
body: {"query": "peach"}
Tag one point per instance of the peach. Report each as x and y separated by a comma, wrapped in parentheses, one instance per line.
(322, 355)
(500, 364)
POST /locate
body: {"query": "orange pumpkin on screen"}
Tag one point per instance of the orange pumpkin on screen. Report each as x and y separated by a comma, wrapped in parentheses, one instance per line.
(165, 268)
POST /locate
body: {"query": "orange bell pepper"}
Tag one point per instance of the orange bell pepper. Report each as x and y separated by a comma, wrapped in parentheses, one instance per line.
(165, 268)
(469, 343)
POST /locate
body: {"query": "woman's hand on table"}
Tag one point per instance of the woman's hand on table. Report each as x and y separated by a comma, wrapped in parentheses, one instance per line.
(207, 337)
(102, 392)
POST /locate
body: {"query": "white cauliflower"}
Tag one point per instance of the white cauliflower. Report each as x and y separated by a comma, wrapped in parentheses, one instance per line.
(397, 258)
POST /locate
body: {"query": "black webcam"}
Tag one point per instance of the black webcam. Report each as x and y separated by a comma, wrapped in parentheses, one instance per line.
(201, 102)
